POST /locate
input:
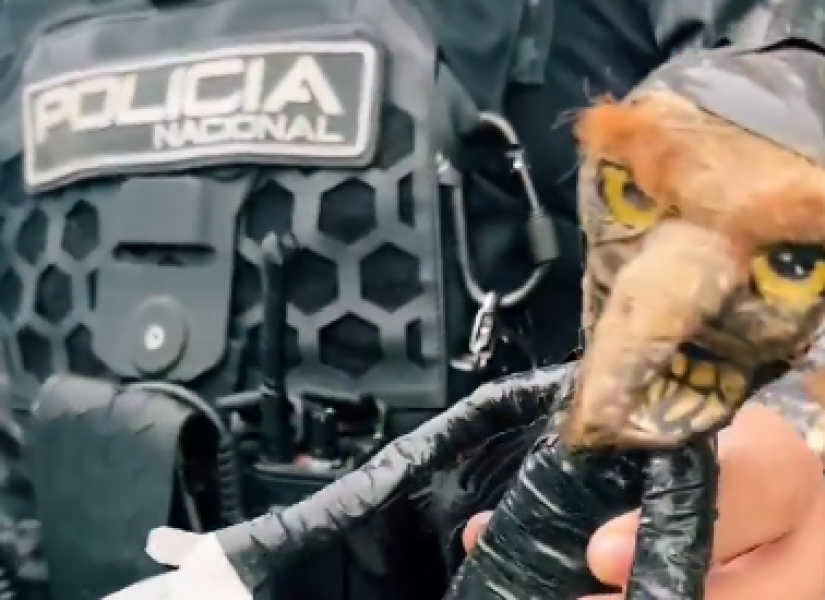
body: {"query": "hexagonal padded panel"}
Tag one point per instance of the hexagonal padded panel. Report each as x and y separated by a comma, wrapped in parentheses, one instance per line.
(81, 234)
(31, 237)
(269, 209)
(54, 295)
(348, 211)
(351, 345)
(35, 353)
(406, 202)
(11, 293)
(390, 277)
(79, 353)
(355, 266)
(399, 127)
(316, 283)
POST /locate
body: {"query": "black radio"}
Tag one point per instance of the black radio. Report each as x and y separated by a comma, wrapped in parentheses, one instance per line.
(337, 433)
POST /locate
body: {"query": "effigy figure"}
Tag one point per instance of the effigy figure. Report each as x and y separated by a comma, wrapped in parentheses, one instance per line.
(701, 199)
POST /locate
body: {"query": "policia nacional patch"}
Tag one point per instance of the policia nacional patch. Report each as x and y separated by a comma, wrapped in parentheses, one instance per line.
(308, 102)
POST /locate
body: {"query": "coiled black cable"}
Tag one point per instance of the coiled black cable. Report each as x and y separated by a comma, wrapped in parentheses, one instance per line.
(7, 584)
(229, 477)
(8, 573)
(229, 482)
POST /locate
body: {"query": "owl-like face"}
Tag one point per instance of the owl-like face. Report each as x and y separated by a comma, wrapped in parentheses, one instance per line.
(706, 267)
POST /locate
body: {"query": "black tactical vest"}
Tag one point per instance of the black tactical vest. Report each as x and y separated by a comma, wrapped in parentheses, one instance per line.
(151, 162)
(137, 195)
(144, 156)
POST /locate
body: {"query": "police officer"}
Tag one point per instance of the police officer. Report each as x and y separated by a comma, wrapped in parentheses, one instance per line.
(535, 62)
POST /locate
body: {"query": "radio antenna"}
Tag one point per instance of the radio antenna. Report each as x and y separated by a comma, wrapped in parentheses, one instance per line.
(277, 432)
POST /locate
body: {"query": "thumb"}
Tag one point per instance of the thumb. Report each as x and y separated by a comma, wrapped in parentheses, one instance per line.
(171, 547)
(611, 549)
(475, 527)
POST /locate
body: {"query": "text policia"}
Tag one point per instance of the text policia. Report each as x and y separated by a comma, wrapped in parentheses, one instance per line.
(215, 101)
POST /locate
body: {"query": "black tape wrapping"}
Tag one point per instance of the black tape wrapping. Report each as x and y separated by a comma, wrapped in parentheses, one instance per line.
(537, 539)
(324, 518)
(536, 542)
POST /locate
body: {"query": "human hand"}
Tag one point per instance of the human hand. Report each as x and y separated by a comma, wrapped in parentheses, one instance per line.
(770, 536)
(203, 570)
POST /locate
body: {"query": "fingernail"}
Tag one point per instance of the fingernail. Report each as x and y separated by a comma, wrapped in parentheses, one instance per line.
(474, 529)
(611, 545)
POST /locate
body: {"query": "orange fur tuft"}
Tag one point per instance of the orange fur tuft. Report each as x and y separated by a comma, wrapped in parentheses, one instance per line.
(710, 170)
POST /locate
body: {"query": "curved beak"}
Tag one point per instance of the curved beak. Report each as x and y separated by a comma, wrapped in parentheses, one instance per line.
(658, 302)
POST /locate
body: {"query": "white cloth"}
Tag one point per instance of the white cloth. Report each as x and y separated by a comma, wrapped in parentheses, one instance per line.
(203, 573)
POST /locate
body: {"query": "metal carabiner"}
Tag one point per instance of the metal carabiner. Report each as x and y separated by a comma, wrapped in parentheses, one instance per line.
(518, 161)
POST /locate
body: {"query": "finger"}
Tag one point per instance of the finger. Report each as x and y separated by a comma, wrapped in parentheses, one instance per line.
(611, 550)
(475, 527)
(793, 567)
(171, 547)
(768, 479)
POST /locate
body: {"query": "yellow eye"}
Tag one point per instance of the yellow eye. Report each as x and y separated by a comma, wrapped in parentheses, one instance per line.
(791, 276)
(627, 203)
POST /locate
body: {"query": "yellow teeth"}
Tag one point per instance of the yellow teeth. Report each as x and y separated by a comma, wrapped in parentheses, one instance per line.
(693, 397)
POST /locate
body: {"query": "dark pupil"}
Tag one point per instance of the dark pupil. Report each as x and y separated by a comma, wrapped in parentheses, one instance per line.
(634, 196)
(796, 263)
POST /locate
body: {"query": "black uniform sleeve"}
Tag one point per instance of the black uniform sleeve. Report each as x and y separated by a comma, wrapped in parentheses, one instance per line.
(22, 569)
(683, 25)
(474, 484)
(477, 39)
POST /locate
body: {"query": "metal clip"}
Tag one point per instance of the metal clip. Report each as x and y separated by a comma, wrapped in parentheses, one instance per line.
(484, 335)
(518, 159)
